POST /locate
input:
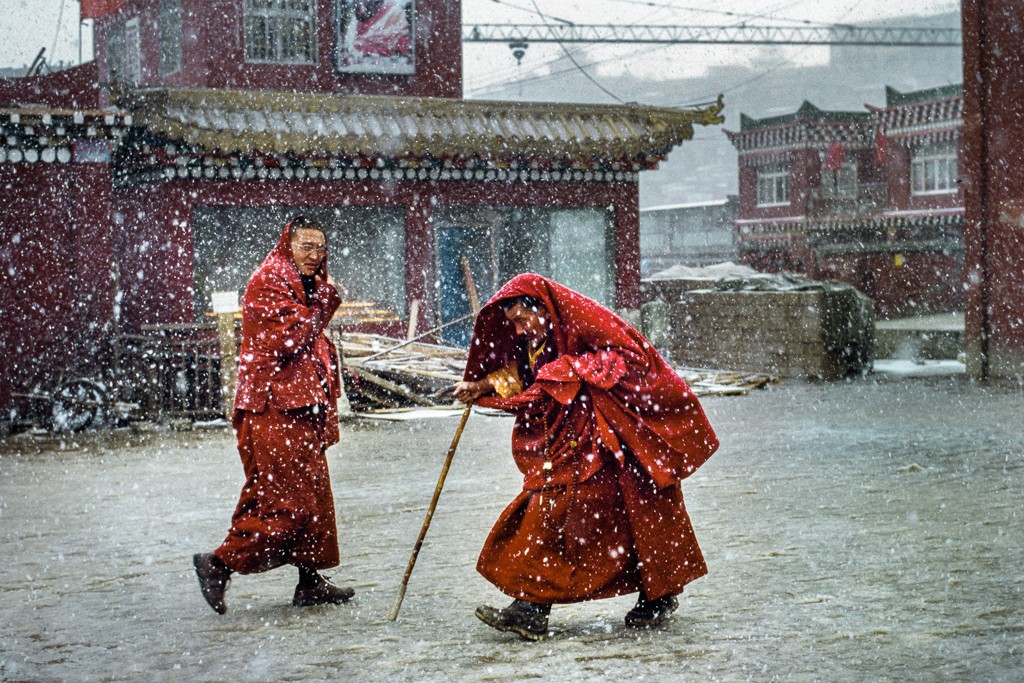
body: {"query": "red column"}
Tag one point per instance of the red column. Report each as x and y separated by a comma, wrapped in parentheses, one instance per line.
(627, 247)
(419, 258)
(89, 206)
(993, 188)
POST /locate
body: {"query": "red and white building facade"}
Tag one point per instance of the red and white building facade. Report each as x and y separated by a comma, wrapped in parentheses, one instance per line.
(871, 198)
(140, 183)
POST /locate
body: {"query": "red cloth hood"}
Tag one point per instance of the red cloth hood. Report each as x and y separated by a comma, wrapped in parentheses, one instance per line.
(283, 251)
(284, 356)
(638, 400)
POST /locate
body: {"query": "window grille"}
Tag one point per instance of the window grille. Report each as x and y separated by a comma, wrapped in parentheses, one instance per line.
(841, 183)
(773, 186)
(933, 169)
(115, 54)
(170, 36)
(132, 52)
(279, 31)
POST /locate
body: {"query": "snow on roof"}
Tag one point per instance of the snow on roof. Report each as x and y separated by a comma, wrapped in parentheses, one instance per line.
(687, 205)
(716, 271)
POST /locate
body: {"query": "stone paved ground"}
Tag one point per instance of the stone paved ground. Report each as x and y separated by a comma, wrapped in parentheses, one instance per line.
(855, 531)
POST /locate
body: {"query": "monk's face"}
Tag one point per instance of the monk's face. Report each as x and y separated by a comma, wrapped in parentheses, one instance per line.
(529, 323)
(308, 249)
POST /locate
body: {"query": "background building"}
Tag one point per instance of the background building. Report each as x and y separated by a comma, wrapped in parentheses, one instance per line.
(871, 198)
(697, 234)
(141, 182)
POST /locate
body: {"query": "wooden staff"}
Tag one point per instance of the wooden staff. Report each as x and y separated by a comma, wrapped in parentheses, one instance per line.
(430, 513)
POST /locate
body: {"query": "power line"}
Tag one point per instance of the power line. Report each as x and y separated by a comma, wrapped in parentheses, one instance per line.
(575, 63)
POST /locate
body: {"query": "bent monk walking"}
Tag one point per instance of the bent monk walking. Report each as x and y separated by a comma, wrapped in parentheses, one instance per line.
(604, 433)
(285, 418)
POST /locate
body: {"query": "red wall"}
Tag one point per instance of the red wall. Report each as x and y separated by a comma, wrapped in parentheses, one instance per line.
(74, 88)
(55, 268)
(897, 175)
(994, 187)
(924, 283)
(213, 52)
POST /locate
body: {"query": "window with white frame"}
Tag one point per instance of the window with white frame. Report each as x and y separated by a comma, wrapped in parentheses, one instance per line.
(170, 36)
(115, 53)
(280, 31)
(132, 52)
(841, 183)
(933, 169)
(773, 185)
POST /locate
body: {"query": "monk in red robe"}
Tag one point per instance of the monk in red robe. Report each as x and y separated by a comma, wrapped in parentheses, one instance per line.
(604, 433)
(285, 418)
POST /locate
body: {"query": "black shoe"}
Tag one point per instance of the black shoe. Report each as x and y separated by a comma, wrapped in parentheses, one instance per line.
(321, 592)
(528, 619)
(651, 613)
(214, 577)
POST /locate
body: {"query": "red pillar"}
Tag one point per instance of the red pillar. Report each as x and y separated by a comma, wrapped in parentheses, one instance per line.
(627, 248)
(89, 206)
(419, 259)
(993, 188)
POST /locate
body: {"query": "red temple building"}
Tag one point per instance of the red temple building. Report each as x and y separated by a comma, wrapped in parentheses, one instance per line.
(140, 183)
(871, 198)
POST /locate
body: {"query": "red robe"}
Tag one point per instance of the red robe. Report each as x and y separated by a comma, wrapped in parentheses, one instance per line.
(285, 418)
(604, 433)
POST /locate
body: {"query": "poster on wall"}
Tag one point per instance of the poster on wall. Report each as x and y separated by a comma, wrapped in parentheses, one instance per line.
(376, 36)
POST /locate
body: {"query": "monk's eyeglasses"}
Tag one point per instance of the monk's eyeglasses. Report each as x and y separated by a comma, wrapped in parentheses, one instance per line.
(311, 249)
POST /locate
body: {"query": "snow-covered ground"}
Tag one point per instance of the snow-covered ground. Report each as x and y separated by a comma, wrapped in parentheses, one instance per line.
(856, 531)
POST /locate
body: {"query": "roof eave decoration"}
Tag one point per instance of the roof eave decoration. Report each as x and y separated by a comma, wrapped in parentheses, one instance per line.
(308, 124)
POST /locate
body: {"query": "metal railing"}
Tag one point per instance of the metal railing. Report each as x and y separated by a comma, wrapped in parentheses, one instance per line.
(171, 371)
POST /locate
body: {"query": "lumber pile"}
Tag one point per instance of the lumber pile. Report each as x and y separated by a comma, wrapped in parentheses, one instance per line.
(412, 376)
(724, 382)
(408, 376)
(362, 312)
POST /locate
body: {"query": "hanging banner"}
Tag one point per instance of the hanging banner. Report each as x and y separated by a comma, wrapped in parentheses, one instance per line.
(835, 158)
(375, 36)
(97, 9)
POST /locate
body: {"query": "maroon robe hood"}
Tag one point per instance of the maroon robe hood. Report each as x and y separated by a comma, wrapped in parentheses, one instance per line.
(638, 401)
(284, 357)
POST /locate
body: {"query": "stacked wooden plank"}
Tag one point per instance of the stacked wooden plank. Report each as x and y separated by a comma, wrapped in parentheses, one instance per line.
(362, 312)
(416, 374)
(412, 375)
(724, 382)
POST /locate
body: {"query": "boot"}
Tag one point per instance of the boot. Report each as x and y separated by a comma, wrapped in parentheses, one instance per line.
(650, 613)
(319, 591)
(528, 619)
(214, 577)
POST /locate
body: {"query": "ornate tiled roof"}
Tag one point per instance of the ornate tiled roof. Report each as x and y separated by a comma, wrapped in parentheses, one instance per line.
(884, 220)
(261, 122)
(49, 135)
(807, 127)
(933, 115)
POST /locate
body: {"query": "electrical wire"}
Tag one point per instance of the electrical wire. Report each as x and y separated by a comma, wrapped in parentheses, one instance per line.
(573, 59)
(778, 66)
